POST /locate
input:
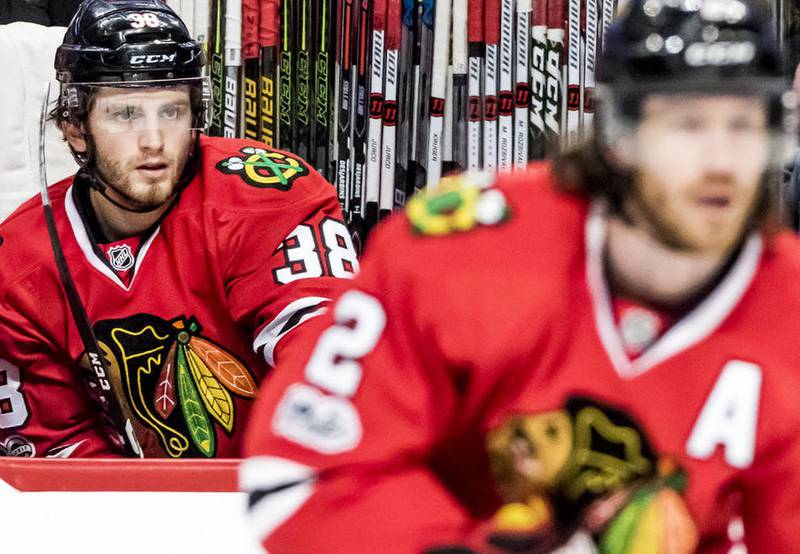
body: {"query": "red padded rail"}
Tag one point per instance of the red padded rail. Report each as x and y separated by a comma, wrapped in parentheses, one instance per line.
(40, 474)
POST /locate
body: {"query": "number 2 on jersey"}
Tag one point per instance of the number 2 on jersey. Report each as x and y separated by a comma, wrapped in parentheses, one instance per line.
(359, 321)
(303, 259)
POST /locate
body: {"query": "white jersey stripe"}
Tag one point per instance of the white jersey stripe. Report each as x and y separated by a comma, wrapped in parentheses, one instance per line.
(273, 331)
(267, 473)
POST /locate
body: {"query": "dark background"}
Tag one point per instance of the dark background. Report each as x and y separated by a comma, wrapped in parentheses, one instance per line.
(43, 12)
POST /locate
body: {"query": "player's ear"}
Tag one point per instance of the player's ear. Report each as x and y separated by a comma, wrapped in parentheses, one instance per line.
(74, 136)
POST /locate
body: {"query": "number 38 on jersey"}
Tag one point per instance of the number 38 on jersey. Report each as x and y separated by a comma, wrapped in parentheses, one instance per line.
(313, 251)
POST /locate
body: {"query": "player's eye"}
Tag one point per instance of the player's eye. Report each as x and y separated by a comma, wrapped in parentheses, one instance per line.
(747, 125)
(173, 111)
(169, 112)
(689, 123)
(125, 114)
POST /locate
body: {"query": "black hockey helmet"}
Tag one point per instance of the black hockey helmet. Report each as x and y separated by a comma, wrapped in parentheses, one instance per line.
(127, 40)
(686, 47)
(127, 43)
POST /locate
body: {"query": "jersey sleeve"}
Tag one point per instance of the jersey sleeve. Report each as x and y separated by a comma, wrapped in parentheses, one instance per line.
(339, 440)
(286, 263)
(44, 410)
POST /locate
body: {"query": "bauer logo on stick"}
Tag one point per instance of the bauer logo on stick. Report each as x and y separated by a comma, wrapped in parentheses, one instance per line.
(264, 169)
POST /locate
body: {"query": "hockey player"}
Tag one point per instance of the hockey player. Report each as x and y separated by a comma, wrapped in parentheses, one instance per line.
(602, 353)
(197, 260)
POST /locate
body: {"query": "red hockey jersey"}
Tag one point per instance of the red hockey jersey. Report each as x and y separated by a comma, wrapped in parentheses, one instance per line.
(472, 388)
(189, 319)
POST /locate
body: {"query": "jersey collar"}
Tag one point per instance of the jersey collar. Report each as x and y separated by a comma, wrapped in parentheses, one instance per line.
(93, 254)
(695, 326)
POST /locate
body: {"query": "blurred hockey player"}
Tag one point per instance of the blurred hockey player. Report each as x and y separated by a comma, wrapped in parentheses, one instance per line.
(189, 263)
(599, 355)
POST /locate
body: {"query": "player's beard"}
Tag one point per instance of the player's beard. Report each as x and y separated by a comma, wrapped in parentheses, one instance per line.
(669, 233)
(117, 176)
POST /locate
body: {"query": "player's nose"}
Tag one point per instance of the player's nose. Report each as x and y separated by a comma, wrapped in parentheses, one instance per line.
(151, 139)
(719, 154)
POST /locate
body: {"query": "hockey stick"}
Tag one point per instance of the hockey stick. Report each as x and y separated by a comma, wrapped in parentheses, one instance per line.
(474, 84)
(97, 378)
(607, 15)
(422, 93)
(522, 89)
(388, 146)
(217, 70)
(537, 146)
(359, 85)
(375, 132)
(406, 127)
(268, 80)
(574, 66)
(590, 56)
(505, 120)
(233, 62)
(441, 53)
(458, 99)
(323, 17)
(252, 68)
(554, 105)
(344, 100)
(301, 141)
(492, 36)
(447, 117)
(285, 77)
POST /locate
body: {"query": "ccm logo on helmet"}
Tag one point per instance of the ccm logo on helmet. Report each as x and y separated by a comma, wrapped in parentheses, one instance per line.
(153, 58)
(720, 53)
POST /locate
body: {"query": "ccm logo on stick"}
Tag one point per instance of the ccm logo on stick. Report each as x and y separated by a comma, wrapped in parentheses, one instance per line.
(153, 58)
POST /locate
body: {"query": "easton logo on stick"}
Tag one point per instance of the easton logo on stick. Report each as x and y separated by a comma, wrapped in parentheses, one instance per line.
(263, 168)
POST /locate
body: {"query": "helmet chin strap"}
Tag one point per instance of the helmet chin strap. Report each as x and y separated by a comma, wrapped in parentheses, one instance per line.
(89, 172)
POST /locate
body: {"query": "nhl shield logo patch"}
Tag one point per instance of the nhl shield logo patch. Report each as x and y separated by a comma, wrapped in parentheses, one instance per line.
(120, 257)
(262, 168)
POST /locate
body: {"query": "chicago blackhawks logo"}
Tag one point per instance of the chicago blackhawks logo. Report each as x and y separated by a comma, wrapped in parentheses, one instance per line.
(176, 383)
(263, 168)
(587, 467)
(120, 257)
(459, 204)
